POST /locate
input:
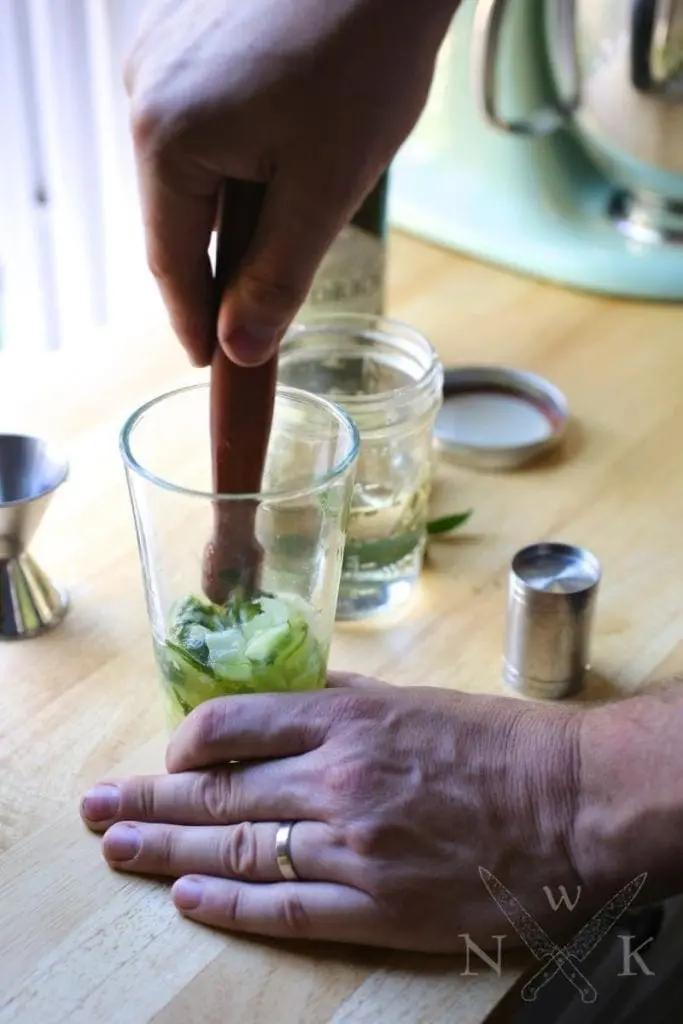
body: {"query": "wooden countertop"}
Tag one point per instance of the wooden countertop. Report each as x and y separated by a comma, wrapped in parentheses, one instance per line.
(81, 944)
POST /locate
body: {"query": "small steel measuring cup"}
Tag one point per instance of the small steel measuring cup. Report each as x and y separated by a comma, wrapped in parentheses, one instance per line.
(30, 473)
(552, 593)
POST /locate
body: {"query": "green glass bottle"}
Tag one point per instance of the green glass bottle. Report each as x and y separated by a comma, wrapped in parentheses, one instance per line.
(351, 277)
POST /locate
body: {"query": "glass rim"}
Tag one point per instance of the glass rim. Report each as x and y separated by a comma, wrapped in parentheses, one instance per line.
(363, 323)
(284, 494)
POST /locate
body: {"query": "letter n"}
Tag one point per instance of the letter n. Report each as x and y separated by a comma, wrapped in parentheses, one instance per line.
(472, 947)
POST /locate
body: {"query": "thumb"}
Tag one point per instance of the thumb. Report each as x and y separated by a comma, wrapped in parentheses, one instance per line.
(296, 228)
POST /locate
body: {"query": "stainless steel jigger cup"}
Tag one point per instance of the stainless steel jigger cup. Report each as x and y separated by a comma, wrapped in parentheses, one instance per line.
(30, 473)
(551, 601)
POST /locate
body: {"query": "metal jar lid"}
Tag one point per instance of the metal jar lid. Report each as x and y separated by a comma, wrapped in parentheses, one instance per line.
(498, 418)
(551, 601)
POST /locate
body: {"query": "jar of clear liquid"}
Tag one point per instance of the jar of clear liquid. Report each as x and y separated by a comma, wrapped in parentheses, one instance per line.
(389, 379)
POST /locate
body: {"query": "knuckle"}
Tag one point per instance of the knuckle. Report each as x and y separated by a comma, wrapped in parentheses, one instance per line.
(231, 905)
(159, 264)
(368, 839)
(164, 848)
(159, 127)
(293, 914)
(349, 705)
(188, 746)
(350, 779)
(157, 118)
(204, 736)
(147, 123)
(277, 295)
(207, 721)
(239, 853)
(216, 792)
(142, 800)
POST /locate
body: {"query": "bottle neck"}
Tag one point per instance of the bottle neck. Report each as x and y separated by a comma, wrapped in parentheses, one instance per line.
(372, 214)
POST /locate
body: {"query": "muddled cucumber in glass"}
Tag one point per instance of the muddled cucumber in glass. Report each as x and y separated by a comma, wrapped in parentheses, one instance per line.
(276, 635)
(251, 644)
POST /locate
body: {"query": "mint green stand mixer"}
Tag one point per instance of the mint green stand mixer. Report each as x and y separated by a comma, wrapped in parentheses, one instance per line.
(552, 144)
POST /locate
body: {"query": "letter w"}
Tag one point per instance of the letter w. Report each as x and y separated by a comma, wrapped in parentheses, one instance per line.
(563, 898)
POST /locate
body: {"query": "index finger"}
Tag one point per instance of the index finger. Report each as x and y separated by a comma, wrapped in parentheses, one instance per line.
(252, 727)
(179, 210)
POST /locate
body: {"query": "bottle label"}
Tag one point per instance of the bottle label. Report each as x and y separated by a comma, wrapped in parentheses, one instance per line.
(350, 278)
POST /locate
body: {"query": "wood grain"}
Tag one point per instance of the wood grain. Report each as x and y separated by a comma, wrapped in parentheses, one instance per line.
(81, 944)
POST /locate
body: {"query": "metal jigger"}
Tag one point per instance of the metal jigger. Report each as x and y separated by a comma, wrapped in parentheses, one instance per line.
(30, 473)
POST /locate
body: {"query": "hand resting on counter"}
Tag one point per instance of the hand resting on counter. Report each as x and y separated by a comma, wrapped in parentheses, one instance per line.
(399, 797)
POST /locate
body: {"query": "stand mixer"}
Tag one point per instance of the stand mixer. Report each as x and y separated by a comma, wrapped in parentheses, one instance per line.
(552, 144)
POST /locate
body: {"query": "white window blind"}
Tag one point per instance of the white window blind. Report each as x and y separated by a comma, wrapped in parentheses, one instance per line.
(71, 252)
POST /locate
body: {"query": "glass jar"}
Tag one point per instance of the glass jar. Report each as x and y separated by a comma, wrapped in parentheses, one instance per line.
(389, 379)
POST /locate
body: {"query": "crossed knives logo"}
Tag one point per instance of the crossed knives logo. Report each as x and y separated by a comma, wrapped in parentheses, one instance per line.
(560, 959)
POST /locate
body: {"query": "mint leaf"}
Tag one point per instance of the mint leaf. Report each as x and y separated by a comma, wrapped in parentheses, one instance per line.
(379, 554)
(448, 523)
(188, 657)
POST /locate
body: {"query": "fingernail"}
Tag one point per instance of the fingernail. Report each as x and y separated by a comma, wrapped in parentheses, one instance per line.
(251, 344)
(100, 803)
(188, 893)
(121, 842)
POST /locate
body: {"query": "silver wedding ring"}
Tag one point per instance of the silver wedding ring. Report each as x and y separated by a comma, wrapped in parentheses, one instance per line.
(283, 852)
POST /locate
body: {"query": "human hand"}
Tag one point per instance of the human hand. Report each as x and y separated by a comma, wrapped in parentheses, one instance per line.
(399, 797)
(312, 98)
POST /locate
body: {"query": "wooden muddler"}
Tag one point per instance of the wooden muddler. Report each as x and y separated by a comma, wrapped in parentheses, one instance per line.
(242, 400)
